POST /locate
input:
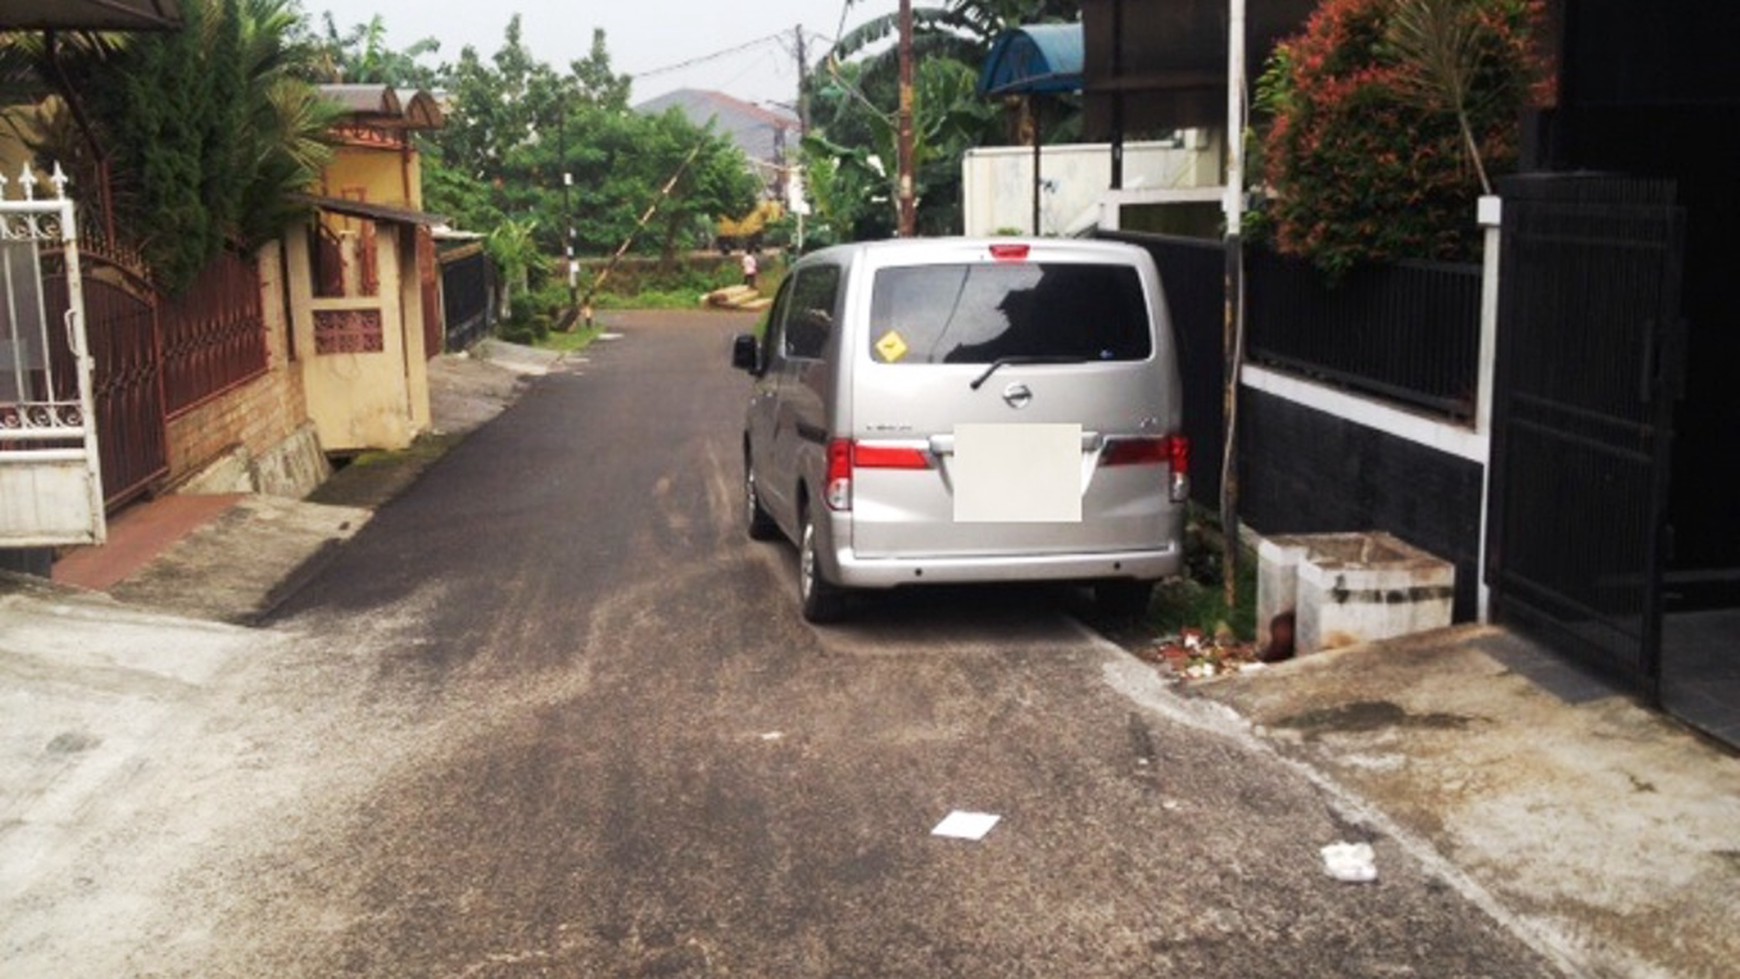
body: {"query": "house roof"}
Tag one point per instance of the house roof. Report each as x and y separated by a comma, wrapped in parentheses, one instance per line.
(387, 107)
(371, 212)
(759, 132)
(1166, 59)
(96, 15)
(1036, 59)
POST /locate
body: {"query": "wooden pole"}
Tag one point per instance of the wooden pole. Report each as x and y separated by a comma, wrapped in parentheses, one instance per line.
(907, 208)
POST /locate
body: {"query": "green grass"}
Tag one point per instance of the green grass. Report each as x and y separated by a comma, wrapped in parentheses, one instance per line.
(1186, 603)
(579, 338)
(651, 299)
(1197, 599)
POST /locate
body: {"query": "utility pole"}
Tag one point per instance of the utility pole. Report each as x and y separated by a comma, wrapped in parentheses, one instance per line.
(794, 163)
(908, 224)
(803, 101)
(568, 210)
(1234, 206)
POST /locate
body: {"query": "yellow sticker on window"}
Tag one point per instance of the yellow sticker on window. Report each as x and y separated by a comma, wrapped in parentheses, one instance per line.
(892, 347)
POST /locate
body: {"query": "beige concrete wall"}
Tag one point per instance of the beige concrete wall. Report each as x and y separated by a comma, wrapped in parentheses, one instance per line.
(358, 401)
(416, 350)
(377, 174)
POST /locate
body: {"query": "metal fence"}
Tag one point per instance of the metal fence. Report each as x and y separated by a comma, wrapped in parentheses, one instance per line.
(1405, 331)
(1193, 275)
(467, 297)
(214, 334)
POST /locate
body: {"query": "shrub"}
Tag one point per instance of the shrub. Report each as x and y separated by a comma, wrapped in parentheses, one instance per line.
(1359, 165)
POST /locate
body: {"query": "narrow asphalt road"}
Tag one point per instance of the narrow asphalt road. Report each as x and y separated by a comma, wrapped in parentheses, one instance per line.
(554, 715)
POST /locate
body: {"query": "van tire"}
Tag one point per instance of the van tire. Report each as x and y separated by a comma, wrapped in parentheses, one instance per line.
(756, 520)
(1123, 598)
(820, 601)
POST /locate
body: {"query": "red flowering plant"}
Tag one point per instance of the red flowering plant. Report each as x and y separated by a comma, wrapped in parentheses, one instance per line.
(1384, 118)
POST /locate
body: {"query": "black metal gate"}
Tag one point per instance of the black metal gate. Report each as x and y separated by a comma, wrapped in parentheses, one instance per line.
(1591, 343)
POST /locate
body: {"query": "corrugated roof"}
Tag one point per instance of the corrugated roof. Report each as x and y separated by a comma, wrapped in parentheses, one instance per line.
(1036, 59)
(387, 107)
(92, 15)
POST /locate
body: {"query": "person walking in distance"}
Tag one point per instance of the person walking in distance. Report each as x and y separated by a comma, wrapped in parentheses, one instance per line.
(749, 268)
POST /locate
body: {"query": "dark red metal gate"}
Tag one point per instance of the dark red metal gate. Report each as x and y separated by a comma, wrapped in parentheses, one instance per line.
(121, 327)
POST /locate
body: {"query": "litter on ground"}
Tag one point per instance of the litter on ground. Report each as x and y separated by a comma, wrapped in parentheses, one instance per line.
(1196, 655)
(1354, 863)
(961, 825)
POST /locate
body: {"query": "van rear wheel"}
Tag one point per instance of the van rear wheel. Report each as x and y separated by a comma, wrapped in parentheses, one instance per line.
(1123, 598)
(821, 601)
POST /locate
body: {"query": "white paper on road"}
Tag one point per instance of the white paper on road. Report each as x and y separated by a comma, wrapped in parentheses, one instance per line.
(1351, 862)
(965, 825)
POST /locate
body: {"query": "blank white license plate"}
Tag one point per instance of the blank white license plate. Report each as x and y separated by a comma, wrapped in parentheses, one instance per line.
(1017, 473)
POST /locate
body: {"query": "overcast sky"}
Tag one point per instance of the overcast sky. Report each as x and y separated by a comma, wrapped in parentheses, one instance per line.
(643, 36)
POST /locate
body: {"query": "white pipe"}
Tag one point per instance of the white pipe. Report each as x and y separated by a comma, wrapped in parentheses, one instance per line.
(1234, 202)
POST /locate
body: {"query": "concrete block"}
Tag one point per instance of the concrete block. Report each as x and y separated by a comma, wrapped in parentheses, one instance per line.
(1277, 580)
(294, 467)
(228, 473)
(1346, 589)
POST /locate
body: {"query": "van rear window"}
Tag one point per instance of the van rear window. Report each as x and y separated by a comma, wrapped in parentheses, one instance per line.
(977, 313)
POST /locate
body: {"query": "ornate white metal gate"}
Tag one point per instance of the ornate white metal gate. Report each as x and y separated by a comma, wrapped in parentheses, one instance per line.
(50, 480)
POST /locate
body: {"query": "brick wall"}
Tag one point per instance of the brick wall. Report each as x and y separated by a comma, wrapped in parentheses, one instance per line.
(257, 415)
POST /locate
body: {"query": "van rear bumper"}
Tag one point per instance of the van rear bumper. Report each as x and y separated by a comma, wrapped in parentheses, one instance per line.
(1150, 565)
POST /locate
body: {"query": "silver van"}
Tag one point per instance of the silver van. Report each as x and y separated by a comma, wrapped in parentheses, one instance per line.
(932, 411)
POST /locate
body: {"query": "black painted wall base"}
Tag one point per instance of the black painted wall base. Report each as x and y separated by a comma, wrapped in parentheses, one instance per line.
(1305, 472)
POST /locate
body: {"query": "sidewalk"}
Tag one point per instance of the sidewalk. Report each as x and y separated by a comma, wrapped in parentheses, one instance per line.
(179, 554)
(1607, 832)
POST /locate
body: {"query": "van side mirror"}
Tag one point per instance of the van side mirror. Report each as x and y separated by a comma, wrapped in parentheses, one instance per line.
(746, 354)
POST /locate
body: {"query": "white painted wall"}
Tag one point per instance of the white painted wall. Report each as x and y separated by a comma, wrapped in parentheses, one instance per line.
(997, 181)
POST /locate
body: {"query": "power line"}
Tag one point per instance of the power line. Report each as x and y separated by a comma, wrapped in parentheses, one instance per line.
(703, 59)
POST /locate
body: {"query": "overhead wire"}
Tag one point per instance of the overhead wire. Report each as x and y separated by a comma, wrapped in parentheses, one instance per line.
(703, 59)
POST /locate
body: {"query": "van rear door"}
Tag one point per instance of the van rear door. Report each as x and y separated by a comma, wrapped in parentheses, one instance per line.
(1032, 343)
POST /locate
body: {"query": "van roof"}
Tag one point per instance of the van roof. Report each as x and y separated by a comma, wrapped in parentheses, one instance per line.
(958, 247)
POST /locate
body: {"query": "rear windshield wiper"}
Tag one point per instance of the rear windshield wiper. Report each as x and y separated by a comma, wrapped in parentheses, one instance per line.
(1024, 359)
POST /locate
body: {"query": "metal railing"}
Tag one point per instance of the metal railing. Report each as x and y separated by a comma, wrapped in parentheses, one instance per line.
(1405, 331)
(214, 334)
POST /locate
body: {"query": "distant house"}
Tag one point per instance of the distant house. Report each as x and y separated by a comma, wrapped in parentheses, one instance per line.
(766, 137)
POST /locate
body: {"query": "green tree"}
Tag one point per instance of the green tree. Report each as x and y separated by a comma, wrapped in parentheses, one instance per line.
(517, 127)
(360, 54)
(854, 93)
(208, 130)
(596, 82)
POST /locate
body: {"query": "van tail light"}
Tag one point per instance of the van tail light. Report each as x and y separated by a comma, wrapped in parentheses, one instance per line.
(1010, 253)
(1172, 451)
(839, 491)
(846, 456)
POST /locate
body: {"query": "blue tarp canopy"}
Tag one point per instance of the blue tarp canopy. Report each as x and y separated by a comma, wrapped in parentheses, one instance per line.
(1043, 59)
